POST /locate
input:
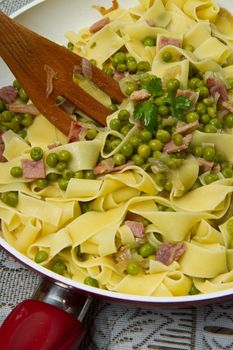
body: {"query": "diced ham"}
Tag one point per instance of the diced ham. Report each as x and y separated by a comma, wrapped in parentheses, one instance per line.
(99, 25)
(228, 106)
(218, 89)
(190, 94)
(50, 76)
(2, 158)
(140, 95)
(169, 252)
(8, 94)
(136, 227)
(53, 145)
(217, 168)
(187, 128)
(164, 41)
(104, 166)
(22, 108)
(76, 132)
(101, 169)
(33, 169)
(86, 68)
(206, 165)
(170, 147)
(123, 254)
(133, 217)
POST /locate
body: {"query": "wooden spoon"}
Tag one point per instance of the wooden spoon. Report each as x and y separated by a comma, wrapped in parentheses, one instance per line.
(27, 54)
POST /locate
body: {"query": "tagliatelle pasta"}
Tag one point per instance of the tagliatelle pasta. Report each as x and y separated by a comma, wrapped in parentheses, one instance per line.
(143, 205)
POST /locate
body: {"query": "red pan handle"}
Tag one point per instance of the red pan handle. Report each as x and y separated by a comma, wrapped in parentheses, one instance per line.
(37, 325)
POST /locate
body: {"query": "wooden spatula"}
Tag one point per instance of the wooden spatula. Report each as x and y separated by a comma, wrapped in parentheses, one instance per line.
(27, 54)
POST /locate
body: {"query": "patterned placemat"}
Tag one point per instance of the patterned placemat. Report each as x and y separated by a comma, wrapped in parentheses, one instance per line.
(119, 327)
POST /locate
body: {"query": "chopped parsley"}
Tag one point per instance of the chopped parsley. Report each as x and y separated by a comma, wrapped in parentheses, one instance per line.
(147, 112)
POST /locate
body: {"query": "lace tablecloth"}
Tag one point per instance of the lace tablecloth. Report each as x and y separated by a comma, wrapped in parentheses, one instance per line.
(117, 327)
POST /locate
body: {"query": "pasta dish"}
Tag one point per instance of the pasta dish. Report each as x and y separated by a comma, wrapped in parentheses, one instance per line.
(144, 205)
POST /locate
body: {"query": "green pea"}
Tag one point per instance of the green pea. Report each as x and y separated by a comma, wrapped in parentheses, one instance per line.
(199, 83)
(157, 155)
(198, 151)
(121, 67)
(138, 160)
(216, 123)
(27, 120)
(203, 91)
(163, 136)
(16, 84)
(130, 59)
(211, 111)
(145, 135)
(52, 159)
(143, 66)
(155, 145)
(123, 115)
(60, 166)
(132, 66)
(230, 81)
(171, 163)
(167, 56)
(115, 124)
(160, 101)
(131, 86)
(149, 41)
(163, 110)
(192, 117)
(70, 46)
(79, 174)
(229, 121)
(205, 118)
(90, 281)
(52, 177)
(119, 159)
(209, 153)
(10, 198)
(17, 118)
(208, 102)
(189, 48)
(22, 133)
(160, 179)
(67, 174)
(41, 256)
(230, 227)
(127, 150)
(42, 183)
(146, 250)
(193, 290)
(16, 171)
(59, 267)
(36, 153)
(210, 129)
(108, 71)
(220, 157)
(64, 156)
(113, 107)
(91, 134)
(135, 141)
(63, 183)
(201, 108)
(6, 116)
(193, 83)
(2, 106)
(227, 172)
(23, 95)
(211, 177)
(168, 186)
(89, 175)
(133, 268)
(177, 139)
(173, 84)
(144, 151)
(125, 129)
(120, 56)
(115, 143)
